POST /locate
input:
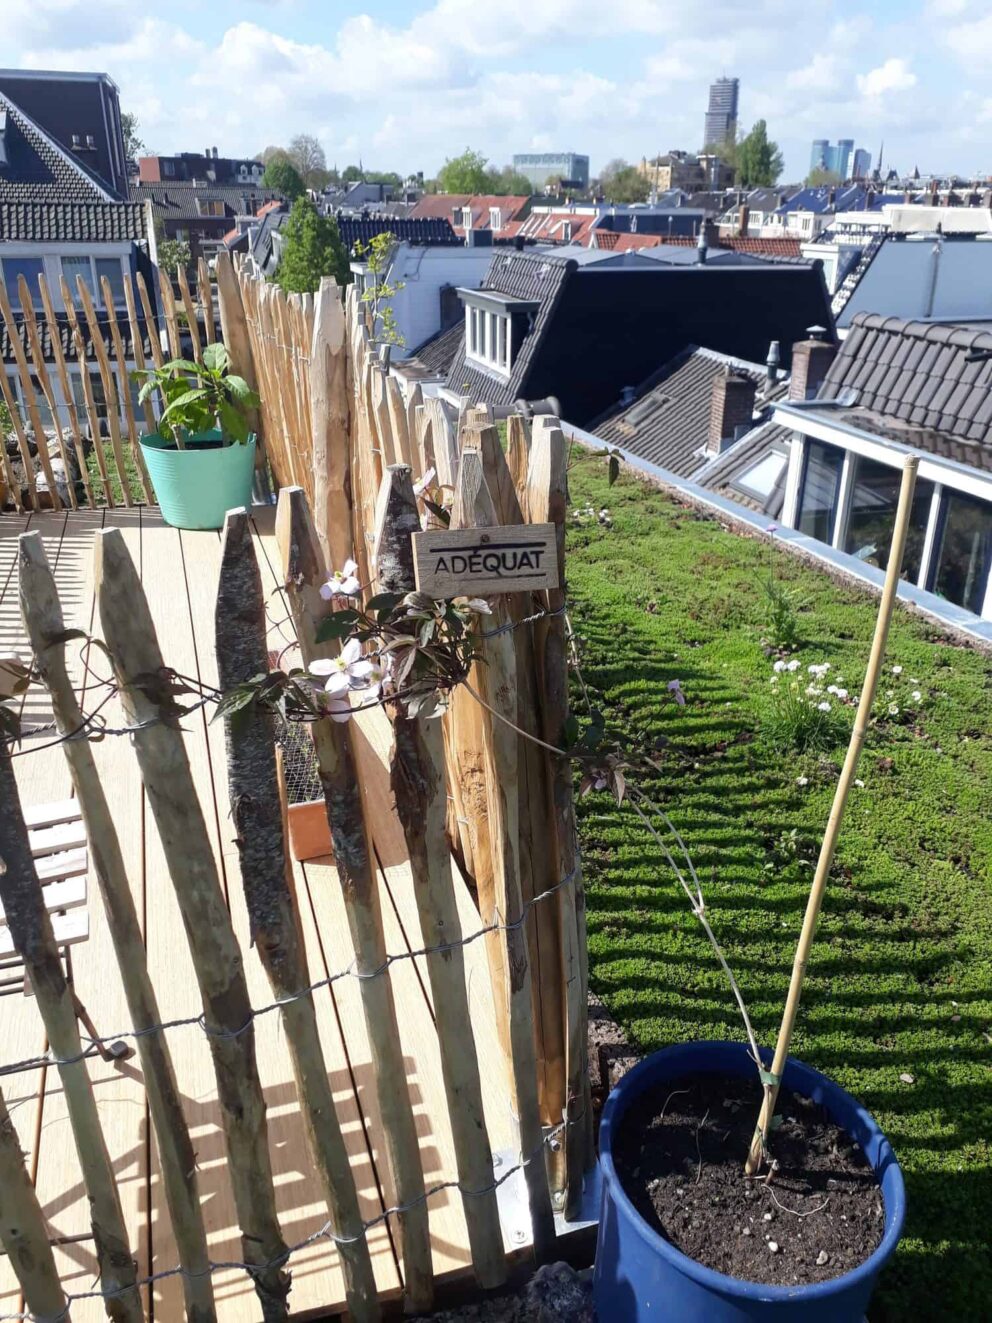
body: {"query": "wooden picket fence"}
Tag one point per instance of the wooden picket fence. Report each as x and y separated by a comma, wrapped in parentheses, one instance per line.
(91, 337)
(473, 795)
(335, 423)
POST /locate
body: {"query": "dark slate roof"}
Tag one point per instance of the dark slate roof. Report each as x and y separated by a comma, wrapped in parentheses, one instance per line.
(823, 198)
(36, 170)
(668, 423)
(538, 275)
(66, 339)
(723, 474)
(914, 376)
(426, 230)
(78, 222)
(437, 352)
(180, 201)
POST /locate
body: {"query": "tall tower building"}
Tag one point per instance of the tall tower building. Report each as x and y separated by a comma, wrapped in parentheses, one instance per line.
(721, 116)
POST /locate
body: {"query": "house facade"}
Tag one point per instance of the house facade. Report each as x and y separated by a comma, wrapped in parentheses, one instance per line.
(61, 219)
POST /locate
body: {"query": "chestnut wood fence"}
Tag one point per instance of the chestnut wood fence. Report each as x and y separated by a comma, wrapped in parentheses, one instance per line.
(80, 446)
(473, 796)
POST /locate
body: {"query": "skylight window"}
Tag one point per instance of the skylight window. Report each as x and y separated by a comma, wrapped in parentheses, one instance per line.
(762, 477)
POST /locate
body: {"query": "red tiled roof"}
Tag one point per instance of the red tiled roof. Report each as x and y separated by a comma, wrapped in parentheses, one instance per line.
(775, 247)
(442, 206)
(550, 227)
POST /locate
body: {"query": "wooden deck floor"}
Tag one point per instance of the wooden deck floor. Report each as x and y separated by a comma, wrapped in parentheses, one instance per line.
(179, 571)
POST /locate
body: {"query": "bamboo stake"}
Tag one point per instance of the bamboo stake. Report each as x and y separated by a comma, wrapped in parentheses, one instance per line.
(79, 340)
(138, 346)
(45, 626)
(275, 927)
(190, 311)
(825, 862)
(329, 427)
(55, 336)
(10, 483)
(109, 386)
(158, 743)
(303, 570)
(22, 440)
(23, 1232)
(417, 781)
(154, 335)
(205, 295)
(125, 388)
(518, 442)
(41, 372)
(30, 927)
(24, 372)
(547, 501)
(169, 314)
(497, 679)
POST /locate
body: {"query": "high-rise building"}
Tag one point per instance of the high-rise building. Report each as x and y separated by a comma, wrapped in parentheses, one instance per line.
(721, 116)
(862, 164)
(836, 159)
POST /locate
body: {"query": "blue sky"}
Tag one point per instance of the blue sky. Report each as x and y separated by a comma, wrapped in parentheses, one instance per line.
(405, 85)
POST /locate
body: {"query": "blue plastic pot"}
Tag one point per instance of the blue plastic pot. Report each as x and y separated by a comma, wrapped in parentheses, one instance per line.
(639, 1276)
(196, 487)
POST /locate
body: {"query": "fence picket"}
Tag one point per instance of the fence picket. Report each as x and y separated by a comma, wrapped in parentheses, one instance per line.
(24, 372)
(41, 372)
(55, 339)
(138, 348)
(22, 442)
(43, 620)
(30, 926)
(79, 340)
(496, 676)
(169, 314)
(329, 426)
(131, 638)
(154, 334)
(23, 1232)
(303, 569)
(547, 500)
(109, 387)
(205, 296)
(256, 814)
(190, 311)
(418, 784)
(125, 388)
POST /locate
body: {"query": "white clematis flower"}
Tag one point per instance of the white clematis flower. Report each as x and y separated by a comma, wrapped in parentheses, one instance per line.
(341, 583)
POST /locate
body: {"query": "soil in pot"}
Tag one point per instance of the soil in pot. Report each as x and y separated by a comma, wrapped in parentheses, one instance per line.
(680, 1158)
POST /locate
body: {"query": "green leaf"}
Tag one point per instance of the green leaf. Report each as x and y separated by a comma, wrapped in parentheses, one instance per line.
(216, 357)
(235, 701)
(614, 470)
(438, 511)
(182, 402)
(384, 601)
(232, 421)
(334, 627)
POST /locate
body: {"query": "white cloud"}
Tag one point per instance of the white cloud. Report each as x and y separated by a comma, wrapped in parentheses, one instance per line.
(972, 42)
(894, 75)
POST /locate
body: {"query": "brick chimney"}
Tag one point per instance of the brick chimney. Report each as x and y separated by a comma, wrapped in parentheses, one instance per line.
(731, 407)
(811, 359)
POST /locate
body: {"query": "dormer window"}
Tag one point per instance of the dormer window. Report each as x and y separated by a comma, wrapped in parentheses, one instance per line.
(495, 326)
(466, 218)
(495, 218)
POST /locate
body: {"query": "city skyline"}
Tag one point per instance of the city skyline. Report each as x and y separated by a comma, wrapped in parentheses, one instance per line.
(416, 84)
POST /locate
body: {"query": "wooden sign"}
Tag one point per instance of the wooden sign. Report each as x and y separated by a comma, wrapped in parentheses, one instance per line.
(477, 562)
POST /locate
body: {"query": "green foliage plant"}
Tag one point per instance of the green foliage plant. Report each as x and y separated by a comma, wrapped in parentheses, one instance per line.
(282, 175)
(378, 294)
(783, 617)
(312, 248)
(197, 397)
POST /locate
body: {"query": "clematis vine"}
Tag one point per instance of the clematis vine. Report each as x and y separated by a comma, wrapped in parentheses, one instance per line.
(350, 670)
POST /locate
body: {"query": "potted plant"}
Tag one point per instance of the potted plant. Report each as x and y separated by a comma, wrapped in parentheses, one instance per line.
(740, 1185)
(202, 458)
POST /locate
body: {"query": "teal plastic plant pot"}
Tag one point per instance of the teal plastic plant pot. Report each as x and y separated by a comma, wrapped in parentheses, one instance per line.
(196, 487)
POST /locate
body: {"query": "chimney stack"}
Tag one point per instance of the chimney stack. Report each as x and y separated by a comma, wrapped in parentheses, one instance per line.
(811, 359)
(731, 408)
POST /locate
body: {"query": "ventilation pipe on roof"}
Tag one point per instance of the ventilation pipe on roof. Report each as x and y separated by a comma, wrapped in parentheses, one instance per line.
(772, 363)
(627, 396)
(702, 247)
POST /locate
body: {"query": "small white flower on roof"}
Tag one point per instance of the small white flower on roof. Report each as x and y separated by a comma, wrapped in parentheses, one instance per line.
(859, 783)
(779, 666)
(824, 706)
(917, 695)
(802, 780)
(897, 670)
(793, 665)
(893, 709)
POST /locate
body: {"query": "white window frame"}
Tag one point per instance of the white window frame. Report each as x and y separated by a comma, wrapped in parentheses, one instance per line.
(488, 338)
(94, 281)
